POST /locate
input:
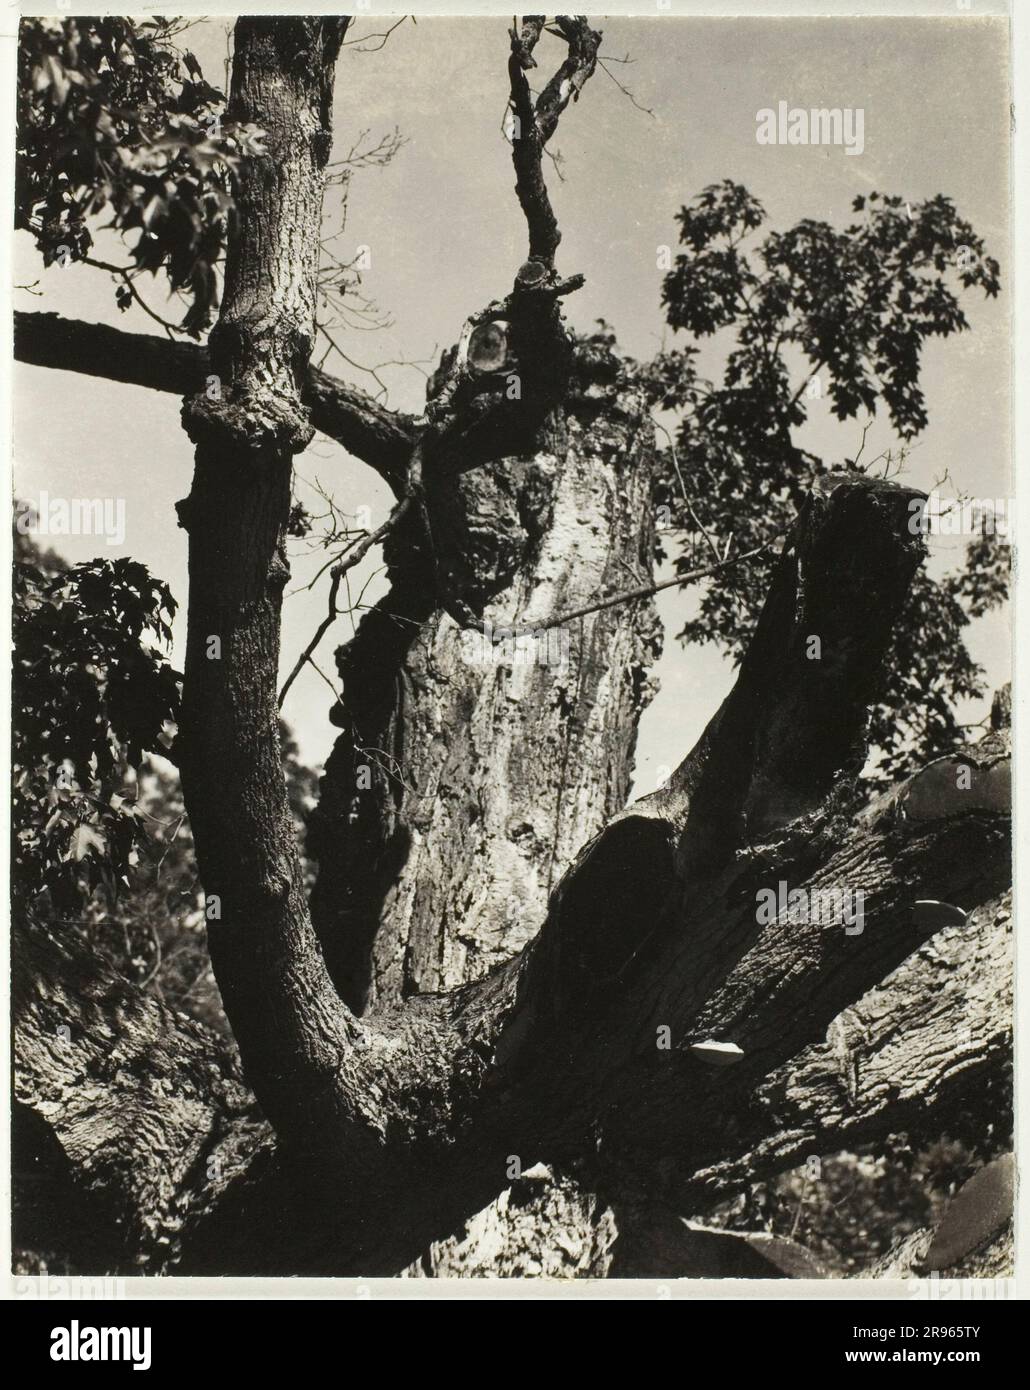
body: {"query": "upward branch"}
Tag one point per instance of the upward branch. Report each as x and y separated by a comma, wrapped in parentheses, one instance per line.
(287, 1019)
(535, 120)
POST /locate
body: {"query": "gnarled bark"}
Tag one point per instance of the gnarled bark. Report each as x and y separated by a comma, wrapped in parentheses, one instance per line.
(654, 927)
(472, 770)
(395, 1129)
(554, 1055)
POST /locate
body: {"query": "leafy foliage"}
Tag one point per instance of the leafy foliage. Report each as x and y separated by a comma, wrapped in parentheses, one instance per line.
(851, 308)
(102, 844)
(113, 117)
(852, 1209)
(91, 695)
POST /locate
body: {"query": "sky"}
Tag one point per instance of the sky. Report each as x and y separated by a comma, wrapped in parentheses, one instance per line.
(444, 236)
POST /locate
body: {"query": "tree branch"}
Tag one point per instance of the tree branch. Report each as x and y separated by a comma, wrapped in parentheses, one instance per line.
(655, 927)
(357, 553)
(537, 121)
(521, 629)
(379, 437)
(910, 1056)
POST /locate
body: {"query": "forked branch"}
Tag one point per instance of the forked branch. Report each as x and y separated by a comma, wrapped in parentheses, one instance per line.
(534, 120)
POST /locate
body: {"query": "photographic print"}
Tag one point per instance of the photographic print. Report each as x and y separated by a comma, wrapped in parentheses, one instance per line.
(511, 659)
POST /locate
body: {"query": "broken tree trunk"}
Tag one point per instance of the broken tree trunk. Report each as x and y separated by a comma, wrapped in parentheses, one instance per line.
(474, 765)
(554, 1057)
(654, 929)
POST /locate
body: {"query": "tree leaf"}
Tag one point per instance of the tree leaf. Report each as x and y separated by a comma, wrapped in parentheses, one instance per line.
(85, 840)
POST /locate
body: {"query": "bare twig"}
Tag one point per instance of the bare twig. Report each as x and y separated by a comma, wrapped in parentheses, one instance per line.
(502, 632)
(412, 492)
(603, 64)
(124, 272)
(383, 37)
(861, 448)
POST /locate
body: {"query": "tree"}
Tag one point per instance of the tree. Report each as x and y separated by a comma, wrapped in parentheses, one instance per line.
(857, 306)
(503, 966)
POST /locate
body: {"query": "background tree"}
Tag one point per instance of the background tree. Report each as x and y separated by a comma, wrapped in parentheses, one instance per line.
(810, 314)
(498, 951)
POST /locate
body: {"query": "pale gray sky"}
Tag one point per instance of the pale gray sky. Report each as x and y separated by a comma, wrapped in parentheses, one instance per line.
(445, 237)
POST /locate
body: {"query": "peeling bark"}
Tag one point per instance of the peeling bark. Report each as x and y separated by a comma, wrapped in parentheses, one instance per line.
(470, 772)
(483, 1038)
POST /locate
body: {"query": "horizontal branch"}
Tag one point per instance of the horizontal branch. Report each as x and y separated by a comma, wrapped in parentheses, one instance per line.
(379, 437)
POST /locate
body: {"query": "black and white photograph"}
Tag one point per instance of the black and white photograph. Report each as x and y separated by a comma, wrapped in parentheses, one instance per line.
(512, 658)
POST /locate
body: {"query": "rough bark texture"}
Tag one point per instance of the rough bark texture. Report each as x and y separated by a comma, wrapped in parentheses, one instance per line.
(519, 944)
(555, 1055)
(928, 1051)
(655, 923)
(470, 771)
(544, 1226)
(131, 1121)
(913, 1055)
(277, 995)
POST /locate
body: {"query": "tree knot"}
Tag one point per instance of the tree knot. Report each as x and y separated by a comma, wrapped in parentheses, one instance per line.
(247, 421)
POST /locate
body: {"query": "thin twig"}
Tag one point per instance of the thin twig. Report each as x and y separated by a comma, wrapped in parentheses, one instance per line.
(126, 277)
(502, 631)
(367, 38)
(602, 63)
(360, 550)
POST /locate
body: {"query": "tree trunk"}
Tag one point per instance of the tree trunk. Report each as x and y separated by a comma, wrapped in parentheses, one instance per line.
(554, 1055)
(470, 772)
(516, 941)
(277, 996)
